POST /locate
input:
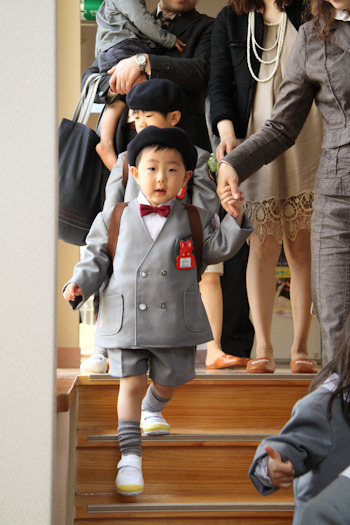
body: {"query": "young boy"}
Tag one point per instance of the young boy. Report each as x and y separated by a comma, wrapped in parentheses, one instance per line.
(124, 29)
(151, 308)
(159, 102)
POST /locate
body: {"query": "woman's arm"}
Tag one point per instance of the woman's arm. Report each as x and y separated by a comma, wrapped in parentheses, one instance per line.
(290, 111)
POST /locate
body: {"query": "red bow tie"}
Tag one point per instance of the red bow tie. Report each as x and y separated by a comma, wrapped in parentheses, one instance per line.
(145, 209)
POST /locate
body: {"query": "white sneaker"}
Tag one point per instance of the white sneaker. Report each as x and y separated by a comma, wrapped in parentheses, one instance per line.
(95, 364)
(153, 423)
(129, 480)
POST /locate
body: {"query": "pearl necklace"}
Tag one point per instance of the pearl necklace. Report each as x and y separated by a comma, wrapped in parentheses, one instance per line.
(279, 43)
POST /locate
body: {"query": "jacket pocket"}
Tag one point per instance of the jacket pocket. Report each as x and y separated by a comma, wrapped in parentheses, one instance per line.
(110, 317)
(238, 53)
(195, 316)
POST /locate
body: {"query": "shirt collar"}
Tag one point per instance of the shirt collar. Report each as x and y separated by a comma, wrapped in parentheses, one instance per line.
(141, 199)
(166, 14)
(342, 14)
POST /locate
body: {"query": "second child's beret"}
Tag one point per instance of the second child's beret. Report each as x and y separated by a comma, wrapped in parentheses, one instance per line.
(173, 138)
(157, 94)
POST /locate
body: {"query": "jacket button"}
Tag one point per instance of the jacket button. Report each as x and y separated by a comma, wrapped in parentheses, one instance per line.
(144, 273)
(164, 273)
(142, 306)
(163, 306)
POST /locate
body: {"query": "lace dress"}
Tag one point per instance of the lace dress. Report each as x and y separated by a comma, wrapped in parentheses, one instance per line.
(278, 197)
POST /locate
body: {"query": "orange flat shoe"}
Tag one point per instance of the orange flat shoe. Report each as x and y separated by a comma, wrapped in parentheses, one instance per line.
(229, 361)
(261, 365)
(303, 365)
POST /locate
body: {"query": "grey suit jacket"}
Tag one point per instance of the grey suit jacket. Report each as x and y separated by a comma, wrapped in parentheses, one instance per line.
(203, 186)
(331, 506)
(148, 302)
(317, 447)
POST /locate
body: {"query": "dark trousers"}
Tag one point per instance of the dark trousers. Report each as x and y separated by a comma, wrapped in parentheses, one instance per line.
(238, 332)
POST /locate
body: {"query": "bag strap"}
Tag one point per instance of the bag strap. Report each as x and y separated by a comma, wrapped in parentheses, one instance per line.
(125, 170)
(197, 236)
(114, 228)
(195, 224)
(86, 99)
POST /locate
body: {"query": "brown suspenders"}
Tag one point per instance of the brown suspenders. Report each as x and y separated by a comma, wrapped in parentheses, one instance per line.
(196, 229)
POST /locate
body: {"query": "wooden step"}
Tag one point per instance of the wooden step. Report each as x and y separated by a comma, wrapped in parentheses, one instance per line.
(198, 475)
(170, 509)
(225, 401)
(190, 464)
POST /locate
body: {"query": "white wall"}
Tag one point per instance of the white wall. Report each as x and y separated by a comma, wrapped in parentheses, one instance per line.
(28, 260)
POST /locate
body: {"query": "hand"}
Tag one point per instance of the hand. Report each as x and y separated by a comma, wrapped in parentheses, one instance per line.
(232, 205)
(228, 140)
(281, 473)
(179, 45)
(71, 292)
(226, 145)
(125, 75)
(227, 176)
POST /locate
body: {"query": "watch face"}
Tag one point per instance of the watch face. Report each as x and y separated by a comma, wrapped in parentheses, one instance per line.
(141, 60)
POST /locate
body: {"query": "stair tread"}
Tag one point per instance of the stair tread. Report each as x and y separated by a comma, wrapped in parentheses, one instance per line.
(282, 373)
(173, 499)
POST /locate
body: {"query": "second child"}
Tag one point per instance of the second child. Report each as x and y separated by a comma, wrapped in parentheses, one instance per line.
(124, 29)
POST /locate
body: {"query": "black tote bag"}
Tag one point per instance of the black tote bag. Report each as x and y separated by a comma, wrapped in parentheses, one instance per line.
(82, 174)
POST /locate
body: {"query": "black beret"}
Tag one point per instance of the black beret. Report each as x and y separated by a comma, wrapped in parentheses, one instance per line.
(157, 94)
(174, 138)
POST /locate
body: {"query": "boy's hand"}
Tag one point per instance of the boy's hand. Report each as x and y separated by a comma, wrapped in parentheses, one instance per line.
(281, 473)
(71, 292)
(227, 176)
(179, 45)
(232, 204)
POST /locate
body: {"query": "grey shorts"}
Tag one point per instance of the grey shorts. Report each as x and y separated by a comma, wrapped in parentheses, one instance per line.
(166, 366)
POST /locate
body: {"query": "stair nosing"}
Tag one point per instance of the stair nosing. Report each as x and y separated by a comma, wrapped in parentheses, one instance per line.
(112, 438)
(189, 507)
(226, 377)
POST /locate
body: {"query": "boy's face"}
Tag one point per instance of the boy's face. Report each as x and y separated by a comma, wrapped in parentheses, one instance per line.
(143, 119)
(160, 174)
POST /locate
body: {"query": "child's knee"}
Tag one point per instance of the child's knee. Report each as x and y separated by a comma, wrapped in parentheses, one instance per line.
(133, 385)
(165, 392)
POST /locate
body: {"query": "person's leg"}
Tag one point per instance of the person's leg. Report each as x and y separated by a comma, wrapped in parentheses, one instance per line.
(298, 254)
(109, 121)
(261, 288)
(330, 242)
(129, 479)
(157, 397)
(237, 330)
(210, 289)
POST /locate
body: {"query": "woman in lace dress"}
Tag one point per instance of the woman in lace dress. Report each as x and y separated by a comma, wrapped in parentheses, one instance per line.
(251, 42)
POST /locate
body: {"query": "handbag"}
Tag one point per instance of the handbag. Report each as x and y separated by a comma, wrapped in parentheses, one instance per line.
(82, 174)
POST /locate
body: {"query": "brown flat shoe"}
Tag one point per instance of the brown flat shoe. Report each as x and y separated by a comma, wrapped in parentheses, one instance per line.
(303, 365)
(261, 365)
(229, 361)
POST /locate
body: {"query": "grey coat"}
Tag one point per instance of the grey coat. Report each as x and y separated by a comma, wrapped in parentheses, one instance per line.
(148, 302)
(317, 447)
(203, 186)
(331, 506)
(319, 71)
(119, 20)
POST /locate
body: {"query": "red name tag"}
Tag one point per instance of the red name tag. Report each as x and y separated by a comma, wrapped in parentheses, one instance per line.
(186, 260)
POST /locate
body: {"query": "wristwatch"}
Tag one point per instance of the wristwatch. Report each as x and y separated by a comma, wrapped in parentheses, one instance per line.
(141, 61)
